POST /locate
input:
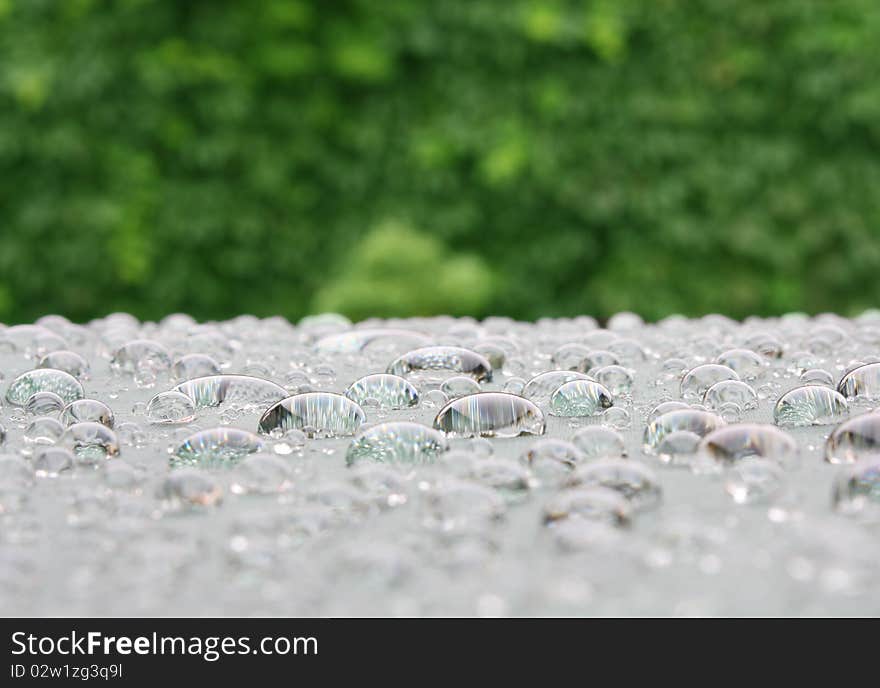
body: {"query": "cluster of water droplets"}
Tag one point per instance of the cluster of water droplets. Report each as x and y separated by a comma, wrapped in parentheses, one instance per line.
(440, 466)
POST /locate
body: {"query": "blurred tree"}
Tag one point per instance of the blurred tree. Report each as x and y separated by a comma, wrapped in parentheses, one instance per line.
(220, 157)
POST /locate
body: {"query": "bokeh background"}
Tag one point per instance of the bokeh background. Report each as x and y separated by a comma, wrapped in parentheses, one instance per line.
(407, 157)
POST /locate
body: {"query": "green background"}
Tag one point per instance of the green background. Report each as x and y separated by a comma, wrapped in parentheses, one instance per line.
(413, 157)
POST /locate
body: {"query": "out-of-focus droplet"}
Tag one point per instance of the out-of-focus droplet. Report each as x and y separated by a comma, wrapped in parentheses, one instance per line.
(854, 440)
(315, 413)
(746, 363)
(541, 387)
(171, 408)
(49, 462)
(68, 361)
(262, 474)
(595, 504)
(44, 380)
(490, 414)
(357, 341)
(733, 443)
(140, 355)
(194, 365)
(83, 410)
(549, 454)
(389, 391)
(817, 376)
(216, 448)
(810, 405)
(90, 442)
(754, 480)
(189, 488)
(635, 481)
(397, 443)
(856, 490)
(665, 407)
(580, 398)
(598, 442)
(43, 431)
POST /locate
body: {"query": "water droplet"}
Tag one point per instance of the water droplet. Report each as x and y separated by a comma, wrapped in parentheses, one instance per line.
(232, 391)
(194, 365)
(733, 443)
(388, 391)
(856, 490)
(754, 480)
(43, 404)
(746, 363)
(68, 361)
(502, 475)
(189, 488)
(594, 504)
(863, 381)
(90, 442)
(490, 414)
(315, 413)
(810, 405)
(43, 431)
(598, 442)
(727, 392)
(434, 364)
(617, 379)
(83, 410)
(44, 380)
(216, 448)
(48, 462)
(697, 382)
(541, 387)
(357, 341)
(459, 505)
(854, 439)
(817, 376)
(397, 443)
(262, 474)
(616, 417)
(459, 386)
(140, 356)
(552, 453)
(635, 481)
(580, 398)
(171, 408)
(691, 421)
(666, 407)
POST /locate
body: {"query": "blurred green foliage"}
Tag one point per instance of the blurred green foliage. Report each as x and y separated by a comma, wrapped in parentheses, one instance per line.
(412, 157)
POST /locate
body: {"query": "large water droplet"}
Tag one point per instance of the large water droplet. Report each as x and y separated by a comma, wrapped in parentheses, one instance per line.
(172, 408)
(863, 381)
(736, 442)
(44, 380)
(397, 443)
(854, 439)
(434, 364)
(387, 391)
(490, 414)
(580, 398)
(810, 405)
(140, 355)
(232, 391)
(192, 366)
(90, 442)
(216, 448)
(315, 413)
(599, 442)
(68, 361)
(730, 392)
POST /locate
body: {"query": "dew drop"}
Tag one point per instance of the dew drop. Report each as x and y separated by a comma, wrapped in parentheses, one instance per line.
(698, 380)
(397, 443)
(856, 490)
(490, 414)
(580, 398)
(810, 405)
(598, 442)
(593, 504)
(68, 361)
(83, 410)
(170, 408)
(316, 414)
(90, 442)
(754, 480)
(854, 439)
(44, 380)
(389, 391)
(541, 387)
(232, 391)
(733, 443)
(216, 448)
(434, 364)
